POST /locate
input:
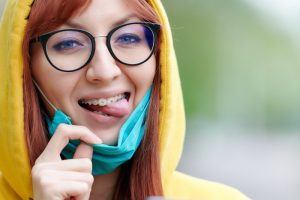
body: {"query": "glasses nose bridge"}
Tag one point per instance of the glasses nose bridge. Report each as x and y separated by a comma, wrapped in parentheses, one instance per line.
(96, 45)
(104, 70)
(100, 36)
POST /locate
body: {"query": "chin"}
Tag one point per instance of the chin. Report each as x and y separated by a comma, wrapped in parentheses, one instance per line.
(109, 137)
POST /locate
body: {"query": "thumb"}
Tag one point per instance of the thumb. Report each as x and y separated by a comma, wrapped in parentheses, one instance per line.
(83, 151)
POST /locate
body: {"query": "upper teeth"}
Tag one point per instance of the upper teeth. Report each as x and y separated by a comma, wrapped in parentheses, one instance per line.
(103, 101)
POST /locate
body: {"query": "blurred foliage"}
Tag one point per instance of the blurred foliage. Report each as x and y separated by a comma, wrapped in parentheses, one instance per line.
(235, 66)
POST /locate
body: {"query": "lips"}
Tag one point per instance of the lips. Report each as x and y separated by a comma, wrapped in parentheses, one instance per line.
(117, 109)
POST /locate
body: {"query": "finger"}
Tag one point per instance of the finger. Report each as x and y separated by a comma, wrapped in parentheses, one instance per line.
(58, 176)
(79, 165)
(61, 137)
(83, 151)
(79, 190)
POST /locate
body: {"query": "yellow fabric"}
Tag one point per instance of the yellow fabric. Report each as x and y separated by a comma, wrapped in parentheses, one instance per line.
(15, 178)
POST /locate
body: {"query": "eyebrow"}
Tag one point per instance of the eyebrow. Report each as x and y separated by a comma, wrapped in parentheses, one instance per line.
(117, 23)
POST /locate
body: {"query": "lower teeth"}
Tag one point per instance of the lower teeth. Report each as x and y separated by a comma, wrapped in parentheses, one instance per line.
(101, 113)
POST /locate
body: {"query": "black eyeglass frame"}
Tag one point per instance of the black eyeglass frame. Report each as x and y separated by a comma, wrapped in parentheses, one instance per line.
(43, 39)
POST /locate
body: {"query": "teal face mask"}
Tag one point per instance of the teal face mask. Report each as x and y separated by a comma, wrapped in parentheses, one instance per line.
(107, 158)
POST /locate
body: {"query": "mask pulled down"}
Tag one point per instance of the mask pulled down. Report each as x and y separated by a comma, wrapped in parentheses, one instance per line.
(107, 158)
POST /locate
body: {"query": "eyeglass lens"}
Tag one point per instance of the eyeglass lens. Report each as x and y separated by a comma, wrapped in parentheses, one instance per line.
(70, 50)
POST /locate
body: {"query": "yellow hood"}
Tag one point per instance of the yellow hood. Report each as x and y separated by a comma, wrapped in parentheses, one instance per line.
(14, 161)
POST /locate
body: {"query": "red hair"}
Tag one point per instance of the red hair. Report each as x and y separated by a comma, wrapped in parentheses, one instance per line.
(140, 177)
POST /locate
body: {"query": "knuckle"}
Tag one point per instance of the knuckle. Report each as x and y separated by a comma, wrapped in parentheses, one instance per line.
(40, 174)
(90, 179)
(44, 181)
(40, 160)
(66, 134)
(35, 168)
(62, 128)
(85, 187)
(84, 129)
(49, 190)
(87, 163)
(36, 171)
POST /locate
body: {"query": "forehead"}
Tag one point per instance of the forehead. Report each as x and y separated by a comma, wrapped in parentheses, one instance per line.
(105, 13)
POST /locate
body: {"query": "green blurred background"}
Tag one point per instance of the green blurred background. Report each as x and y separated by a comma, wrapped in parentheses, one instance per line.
(236, 66)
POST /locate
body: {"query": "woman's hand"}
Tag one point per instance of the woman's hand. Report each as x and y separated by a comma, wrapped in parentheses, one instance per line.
(57, 179)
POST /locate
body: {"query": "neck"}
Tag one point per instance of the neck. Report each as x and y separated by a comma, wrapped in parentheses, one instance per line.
(104, 186)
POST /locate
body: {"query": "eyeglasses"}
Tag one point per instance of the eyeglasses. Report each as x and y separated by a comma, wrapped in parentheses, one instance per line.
(70, 50)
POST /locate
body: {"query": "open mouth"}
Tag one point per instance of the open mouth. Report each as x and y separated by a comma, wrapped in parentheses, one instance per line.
(116, 106)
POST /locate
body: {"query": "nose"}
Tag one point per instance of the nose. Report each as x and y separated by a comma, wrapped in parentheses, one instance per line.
(103, 67)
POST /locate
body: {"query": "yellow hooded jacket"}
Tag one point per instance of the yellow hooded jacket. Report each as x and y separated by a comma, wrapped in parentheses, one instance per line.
(15, 178)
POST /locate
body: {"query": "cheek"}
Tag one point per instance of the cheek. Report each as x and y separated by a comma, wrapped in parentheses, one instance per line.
(55, 85)
(142, 76)
(41, 70)
(37, 60)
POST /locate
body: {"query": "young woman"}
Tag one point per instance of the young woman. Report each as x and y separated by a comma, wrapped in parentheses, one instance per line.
(91, 104)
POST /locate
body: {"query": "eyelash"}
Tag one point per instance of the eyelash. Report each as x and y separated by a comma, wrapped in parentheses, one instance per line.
(58, 46)
(130, 36)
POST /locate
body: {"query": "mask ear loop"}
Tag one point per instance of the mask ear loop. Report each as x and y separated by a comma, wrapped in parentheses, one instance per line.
(39, 89)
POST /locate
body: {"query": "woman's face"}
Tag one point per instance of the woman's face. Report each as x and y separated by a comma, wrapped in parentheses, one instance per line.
(102, 78)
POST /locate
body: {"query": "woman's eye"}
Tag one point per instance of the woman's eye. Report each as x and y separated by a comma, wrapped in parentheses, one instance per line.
(67, 45)
(128, 39)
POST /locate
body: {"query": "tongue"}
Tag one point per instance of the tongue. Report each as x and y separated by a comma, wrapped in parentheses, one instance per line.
(118, 109)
